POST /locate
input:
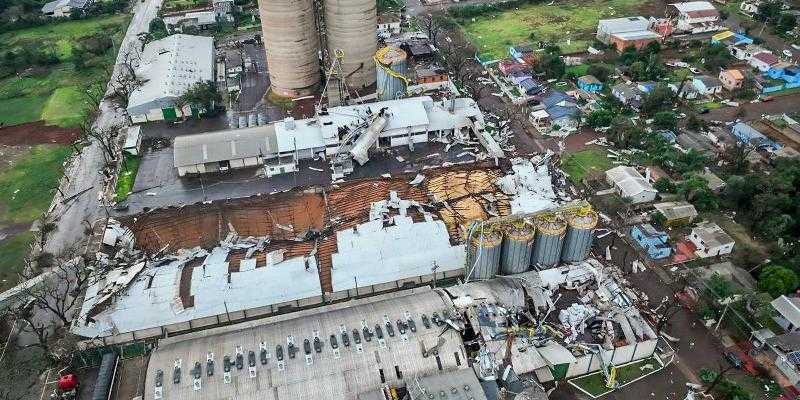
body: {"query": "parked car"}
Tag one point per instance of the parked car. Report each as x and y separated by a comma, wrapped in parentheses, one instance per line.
(733, 359)
(705, 111)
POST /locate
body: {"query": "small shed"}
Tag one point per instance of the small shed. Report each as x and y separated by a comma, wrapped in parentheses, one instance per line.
(654, 241)
(133, 140)
(710, 240)
(676, 212)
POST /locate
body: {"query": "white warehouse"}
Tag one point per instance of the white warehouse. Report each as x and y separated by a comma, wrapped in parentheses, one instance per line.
(284, 143)
(170, 66)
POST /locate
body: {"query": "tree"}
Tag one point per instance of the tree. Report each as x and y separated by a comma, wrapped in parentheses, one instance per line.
(600, 118)
(664, 184)
(551, 65)
(777, 280)
(739, 190)
(716, 56)
(624, 133)
(665, 120)
(691, 186)
(737, 156)
(786, 22)
(659, 99)
(599, 71)
(694, 123)
(769, 11)
(435, 23)
(202, 95)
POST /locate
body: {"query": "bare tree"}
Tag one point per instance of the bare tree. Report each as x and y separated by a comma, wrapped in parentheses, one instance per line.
(737, 156)
(59, 291)
(126, 81)
(106, 137)
(433, 24)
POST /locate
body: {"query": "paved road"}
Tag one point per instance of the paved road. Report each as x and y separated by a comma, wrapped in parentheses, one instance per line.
(85, 182)
(752, 111)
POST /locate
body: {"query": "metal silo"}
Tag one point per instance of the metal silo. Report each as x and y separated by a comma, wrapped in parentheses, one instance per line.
(548, 241)
(392, 68)
(292, 45)
(517, 247)
(350, 26)
(483, 259)
(578, 240)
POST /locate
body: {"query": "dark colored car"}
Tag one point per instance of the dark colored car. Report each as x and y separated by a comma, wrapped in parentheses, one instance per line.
(705, 111)
(733, 359)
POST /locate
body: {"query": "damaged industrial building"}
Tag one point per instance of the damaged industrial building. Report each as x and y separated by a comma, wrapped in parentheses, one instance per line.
(369, 287)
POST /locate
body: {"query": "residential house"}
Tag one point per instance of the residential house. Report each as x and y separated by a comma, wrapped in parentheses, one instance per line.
(707, 85)
(519, 76)
(710, 240)
(557, 111)
(432, 75)
(746, 134)
(177, 22)
(509, 66)
(698, 142)
(763, 61)
(223, 9)
(785, 349)
(520, 52)
(627, 94)
(608, 27)
(731, 79)
(655, 242)
(530, 87)
(744, 52)
(630, 184)
(790, 73)
(714, 183)
(65, 8)
(729, 39)
(788, 312)
(155, 99)
(749, 7)
(637, 40)
(694, 17)
(388, 25)
(676, 213)
(590, 84)
(688, 91)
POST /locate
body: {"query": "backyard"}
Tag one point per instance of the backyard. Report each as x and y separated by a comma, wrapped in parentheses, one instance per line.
(595, 384)
(570, 25)
(26, 189)
(54, 92)
(579, 165)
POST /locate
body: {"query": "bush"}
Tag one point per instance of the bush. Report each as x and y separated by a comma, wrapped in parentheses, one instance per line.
(665, 185)
(777, 280)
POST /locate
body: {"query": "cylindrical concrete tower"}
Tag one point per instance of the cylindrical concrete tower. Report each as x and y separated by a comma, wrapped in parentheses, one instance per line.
(351, 27)
(292, 44)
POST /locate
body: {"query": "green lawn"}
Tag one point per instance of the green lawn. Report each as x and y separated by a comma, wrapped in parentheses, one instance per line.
(19, 110)
(65, 107)
(175, 5)
(127, 176)
(578, 70)
(595, 384)
(578, 165)
(26, 189)
(53, 93)
(570, 26)
(12, 255)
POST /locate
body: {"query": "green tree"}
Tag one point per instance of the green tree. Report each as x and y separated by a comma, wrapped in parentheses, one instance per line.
(202, 96)
(659, 99)
(599, 71)
(600, 118)
(551, 65)
(665, 120)
(769, 11)
(716, 56)
(786, 22)
(691, 186)
(664, 185)
(777, 280)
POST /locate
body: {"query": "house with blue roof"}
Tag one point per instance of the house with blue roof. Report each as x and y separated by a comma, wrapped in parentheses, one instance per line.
(652, 240)
(746, 134)
(519, 52)
(590, 84)
(557, 111)
(530, 87)
(787, 72)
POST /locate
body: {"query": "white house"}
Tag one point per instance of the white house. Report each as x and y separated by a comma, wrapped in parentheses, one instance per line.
(695, 16)
(627, 94)
(223, 9)
(630, 184)
(388, 25)
(788, 309)
(749, 7)
(710, 240)
(707, 85)
(170, 67)
(763, 61)
(608, 27)
(64, 8)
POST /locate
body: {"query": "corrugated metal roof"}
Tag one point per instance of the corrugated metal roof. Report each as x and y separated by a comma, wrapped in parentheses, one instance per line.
(789, 308)
(225, 145)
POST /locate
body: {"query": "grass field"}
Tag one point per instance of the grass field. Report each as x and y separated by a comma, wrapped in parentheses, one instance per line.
(12, 255)
(53, 94)
(27, 188)
(127, 176)
(579, 165)
(596, 383)
(570, 26)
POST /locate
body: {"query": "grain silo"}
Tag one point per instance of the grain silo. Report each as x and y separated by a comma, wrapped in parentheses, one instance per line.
(350, 27)
(578, 239)
(548, 241)
(392, 68)
(515, 257)
(483, 261)
(292, 45)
